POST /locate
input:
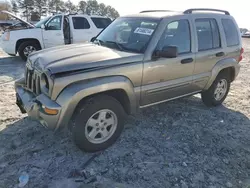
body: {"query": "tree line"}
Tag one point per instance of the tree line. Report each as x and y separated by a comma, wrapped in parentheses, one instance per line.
(33, 10)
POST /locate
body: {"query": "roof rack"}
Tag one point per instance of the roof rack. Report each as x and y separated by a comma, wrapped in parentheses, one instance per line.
(145, 11)
(72, 13)
(189, 11)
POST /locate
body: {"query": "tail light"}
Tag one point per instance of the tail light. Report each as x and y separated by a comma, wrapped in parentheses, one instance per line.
(241, 54)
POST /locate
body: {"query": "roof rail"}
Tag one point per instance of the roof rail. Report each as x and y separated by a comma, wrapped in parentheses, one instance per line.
(189, 11)
(72, 13)
(145, 11)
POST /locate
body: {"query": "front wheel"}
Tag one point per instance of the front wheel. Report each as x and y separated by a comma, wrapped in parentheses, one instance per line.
(218, 91)
(98, 123)
(26, 48)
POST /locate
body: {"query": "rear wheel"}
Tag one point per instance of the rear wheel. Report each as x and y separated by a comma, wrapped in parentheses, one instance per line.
(98, 123)
(26, 48)
(218, 91)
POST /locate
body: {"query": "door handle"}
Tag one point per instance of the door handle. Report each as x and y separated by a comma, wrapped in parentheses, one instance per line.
(220, 54)
(58, 34)
(188, 60)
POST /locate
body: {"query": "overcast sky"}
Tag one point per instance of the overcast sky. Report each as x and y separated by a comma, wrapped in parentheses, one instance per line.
(240, 9)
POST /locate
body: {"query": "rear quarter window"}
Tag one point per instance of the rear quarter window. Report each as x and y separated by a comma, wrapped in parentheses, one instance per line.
(101, 23)
(231, 32)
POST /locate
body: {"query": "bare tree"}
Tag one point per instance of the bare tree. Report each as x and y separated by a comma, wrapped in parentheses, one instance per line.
(92, 7)
(102, 9)
(41, 7)
(82, 5)
(27, 6)
(14, 6)
(70, 7)
(111, 12)
(56, 6)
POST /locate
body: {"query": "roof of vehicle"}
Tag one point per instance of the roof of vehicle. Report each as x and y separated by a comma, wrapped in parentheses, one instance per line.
(168, 13)
(154, 14)
(86, 15)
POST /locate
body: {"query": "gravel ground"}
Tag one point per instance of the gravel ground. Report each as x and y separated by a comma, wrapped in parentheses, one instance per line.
(177, 144)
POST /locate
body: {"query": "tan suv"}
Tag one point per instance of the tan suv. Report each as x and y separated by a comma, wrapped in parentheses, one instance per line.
(138, 61)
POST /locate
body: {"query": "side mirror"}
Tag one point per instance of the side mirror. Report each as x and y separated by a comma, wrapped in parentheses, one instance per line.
(42, 26)
(168, 52)
(92, 39)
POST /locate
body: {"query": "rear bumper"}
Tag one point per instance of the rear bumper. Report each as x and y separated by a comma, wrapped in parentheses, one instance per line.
(34, 107)
(237, 70)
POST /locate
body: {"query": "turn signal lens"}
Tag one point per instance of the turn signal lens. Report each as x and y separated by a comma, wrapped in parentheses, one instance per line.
(50, 111)
(6, 36)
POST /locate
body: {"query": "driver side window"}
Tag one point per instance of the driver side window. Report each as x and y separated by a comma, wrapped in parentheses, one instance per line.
(55, 23)
(177, 34)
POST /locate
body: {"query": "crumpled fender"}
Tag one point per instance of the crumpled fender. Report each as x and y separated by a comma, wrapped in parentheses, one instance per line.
(74, 93)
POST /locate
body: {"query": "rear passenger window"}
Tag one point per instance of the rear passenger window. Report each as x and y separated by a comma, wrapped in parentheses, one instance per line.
(177, 34)
(80, 23)
(231, 32)
(101, 22)
(208, 34)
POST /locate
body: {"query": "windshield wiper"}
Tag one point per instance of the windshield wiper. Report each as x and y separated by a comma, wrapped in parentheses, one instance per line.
(119, 46)
(99, 42)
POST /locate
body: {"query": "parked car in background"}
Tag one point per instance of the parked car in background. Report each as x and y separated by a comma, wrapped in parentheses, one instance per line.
(243, 31)
(246, 34)
(137, 61)
(25, 38)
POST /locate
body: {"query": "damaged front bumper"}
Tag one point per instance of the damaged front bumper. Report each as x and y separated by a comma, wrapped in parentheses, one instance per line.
(35, 106)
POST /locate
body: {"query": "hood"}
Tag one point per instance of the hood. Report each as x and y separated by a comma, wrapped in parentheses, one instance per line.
(13, 15)
(78, 57)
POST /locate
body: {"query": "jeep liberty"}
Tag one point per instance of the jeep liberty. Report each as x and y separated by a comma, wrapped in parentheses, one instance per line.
(137, 61)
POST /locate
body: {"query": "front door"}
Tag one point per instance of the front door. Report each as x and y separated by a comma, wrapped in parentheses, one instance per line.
(53, 32)
(168, 78)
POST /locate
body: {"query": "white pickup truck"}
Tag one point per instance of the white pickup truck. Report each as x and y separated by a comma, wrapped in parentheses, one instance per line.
(24, 38)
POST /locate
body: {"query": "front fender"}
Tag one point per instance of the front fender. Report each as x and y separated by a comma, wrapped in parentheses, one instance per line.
(74, 93)
(220, 65)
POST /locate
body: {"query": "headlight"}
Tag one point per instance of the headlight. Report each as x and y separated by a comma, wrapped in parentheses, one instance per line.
(44, 84)
(6, 36)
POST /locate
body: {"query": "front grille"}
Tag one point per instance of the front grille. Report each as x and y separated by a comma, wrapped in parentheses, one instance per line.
(32, 81)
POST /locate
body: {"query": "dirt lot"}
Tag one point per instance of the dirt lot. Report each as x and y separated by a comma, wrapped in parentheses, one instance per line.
(177, 144)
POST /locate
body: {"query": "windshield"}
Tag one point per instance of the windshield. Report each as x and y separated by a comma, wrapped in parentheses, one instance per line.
(38, 24)
(128, 34)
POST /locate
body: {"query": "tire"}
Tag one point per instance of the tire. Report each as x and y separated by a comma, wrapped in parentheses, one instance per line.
(24, 45)
(84, 119)
(209, 96)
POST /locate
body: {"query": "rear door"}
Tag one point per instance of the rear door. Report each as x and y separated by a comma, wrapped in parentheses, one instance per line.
(53, 32)
(209, 49)
(81, 29)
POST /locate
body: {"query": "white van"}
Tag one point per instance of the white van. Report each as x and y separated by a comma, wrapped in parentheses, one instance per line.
(60, 29)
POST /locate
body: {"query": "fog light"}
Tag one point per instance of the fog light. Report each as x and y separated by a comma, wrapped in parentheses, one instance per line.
(50, 111)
